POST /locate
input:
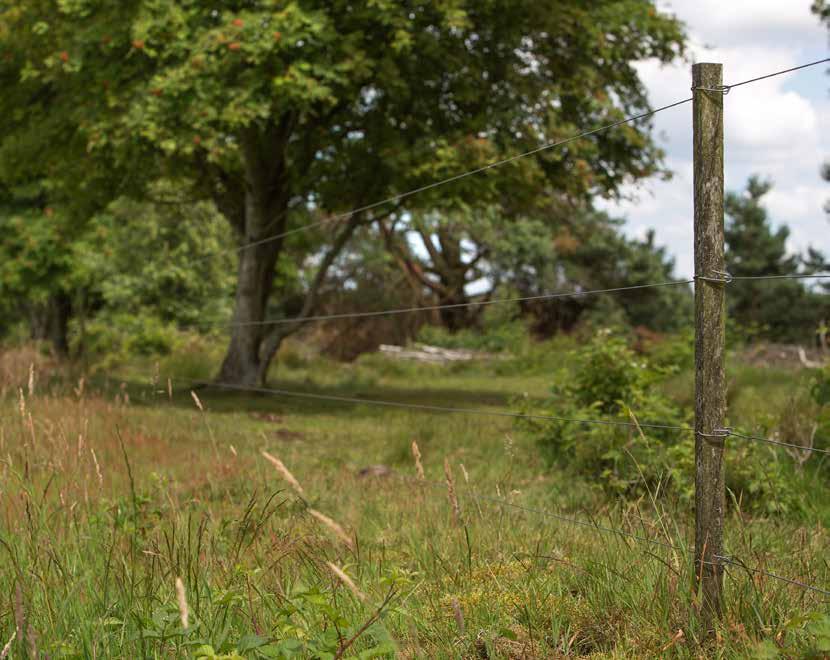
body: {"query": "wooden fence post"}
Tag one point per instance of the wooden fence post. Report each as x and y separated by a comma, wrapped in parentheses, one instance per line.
(710, 316)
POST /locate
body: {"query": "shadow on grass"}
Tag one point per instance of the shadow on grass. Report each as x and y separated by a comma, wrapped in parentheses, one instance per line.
(219, 400)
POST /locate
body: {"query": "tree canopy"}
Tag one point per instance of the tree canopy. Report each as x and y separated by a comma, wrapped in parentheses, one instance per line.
(280, 112)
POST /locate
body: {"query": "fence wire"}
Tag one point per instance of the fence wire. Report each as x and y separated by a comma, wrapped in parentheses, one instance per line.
(476, 303)
(427, 407)
(436, 184)
(734, 434)
(740, 564)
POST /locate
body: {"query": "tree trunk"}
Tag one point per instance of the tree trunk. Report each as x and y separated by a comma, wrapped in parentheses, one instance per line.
(452, 272)
(264, 219)
(243, 363)
(50, 322)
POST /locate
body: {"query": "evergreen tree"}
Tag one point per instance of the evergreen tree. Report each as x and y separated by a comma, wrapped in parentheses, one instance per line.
(785, 309)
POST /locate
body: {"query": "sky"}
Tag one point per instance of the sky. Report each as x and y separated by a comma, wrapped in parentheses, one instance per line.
(778, 128)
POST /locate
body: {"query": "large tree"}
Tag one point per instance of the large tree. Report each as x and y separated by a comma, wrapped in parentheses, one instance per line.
(283, 112)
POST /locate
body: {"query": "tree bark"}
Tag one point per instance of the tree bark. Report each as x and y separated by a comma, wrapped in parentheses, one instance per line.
(265, 212)
(50, 322)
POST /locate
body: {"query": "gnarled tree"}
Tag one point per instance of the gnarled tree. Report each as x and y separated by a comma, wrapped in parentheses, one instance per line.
(283, 112)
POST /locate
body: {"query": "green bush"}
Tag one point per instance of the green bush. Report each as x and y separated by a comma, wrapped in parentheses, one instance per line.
(608, 382)
(111, 338)
(820, 389)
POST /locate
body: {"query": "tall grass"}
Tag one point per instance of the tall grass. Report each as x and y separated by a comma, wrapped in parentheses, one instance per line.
(123, 534)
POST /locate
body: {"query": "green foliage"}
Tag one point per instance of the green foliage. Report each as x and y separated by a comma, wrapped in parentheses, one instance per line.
(674, 352)
(499, 330)
(276, 111)
(772, 309)
(162, 267)
(165, 260)
(608, 381)
(820, 389)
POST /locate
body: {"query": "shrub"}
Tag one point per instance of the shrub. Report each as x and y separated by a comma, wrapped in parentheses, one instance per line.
(609, 382)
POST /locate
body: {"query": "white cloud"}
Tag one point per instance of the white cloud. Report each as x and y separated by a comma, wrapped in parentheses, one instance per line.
(778, 128)
(784, 22)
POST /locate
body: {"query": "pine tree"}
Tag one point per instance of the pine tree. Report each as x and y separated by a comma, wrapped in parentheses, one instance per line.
(783, 310)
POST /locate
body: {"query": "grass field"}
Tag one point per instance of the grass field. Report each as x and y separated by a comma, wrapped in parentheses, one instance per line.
(112, 489)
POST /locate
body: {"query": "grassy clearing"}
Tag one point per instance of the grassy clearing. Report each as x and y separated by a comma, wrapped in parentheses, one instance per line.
(110, 492)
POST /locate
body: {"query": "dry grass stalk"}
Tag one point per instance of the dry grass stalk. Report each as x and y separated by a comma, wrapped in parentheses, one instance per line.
(277, 463)
(345, 579)
(338, 531)
(31, 638)
(31, 384)
(19, 613)
(197, 400)
(464, 472)
(23, 628)
(32, 429)
(169, 389)
(8, 647)
(456, 509)
(21, 402)
(79, 391)
(419, 468)
(459, 615)
(181, 598)
(97, 467)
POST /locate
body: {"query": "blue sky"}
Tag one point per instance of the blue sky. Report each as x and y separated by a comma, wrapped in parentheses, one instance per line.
(778, 128)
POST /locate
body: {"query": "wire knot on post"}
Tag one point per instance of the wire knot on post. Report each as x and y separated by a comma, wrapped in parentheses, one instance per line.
(724, 277)
(723, 89)
(716, 433)
(720, 560)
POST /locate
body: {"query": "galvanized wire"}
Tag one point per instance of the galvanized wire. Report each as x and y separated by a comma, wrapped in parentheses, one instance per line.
(803, 585)
(476, 303)
(400, 196)
(733, 434)
(429, 408)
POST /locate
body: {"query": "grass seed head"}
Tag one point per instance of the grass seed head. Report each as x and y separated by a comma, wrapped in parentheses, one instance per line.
(181, 598)
(8, 647)
(338, 531)
(456, 509)
(419, 468)
(97, 467)
(459, 615)
(197, 400)
(345, 579)
(277, 463)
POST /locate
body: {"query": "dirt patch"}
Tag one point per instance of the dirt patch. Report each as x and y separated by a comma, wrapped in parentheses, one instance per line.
(782, 356)
(288, 436)
(272, 418)
(375, 471)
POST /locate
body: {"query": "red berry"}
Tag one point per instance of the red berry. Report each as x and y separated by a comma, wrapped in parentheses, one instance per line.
(64, 56)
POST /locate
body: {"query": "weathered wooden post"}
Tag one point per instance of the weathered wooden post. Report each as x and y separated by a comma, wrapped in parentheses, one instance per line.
(710, 316)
